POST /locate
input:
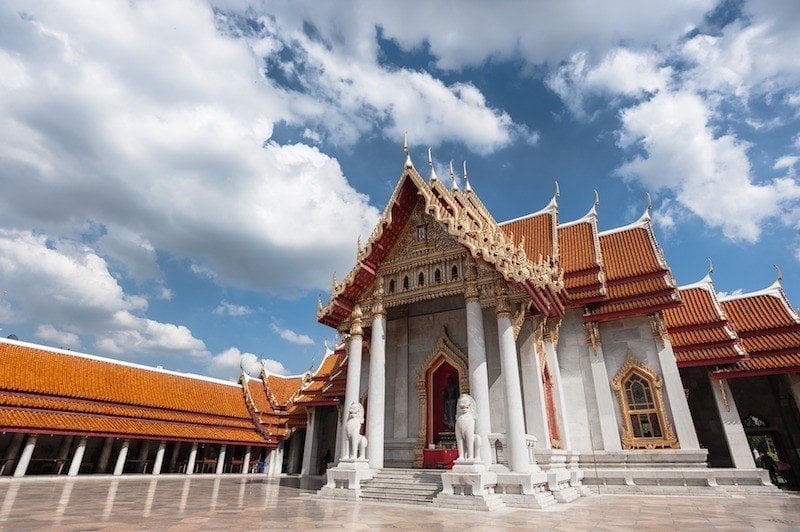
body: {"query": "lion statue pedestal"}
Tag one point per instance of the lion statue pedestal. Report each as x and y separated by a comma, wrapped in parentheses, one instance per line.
(344, 480)
(468, 483)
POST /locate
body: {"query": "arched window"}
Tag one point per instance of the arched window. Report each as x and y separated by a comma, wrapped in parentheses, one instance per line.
(454, 273)
(437, 276)
(391, 286)
(421, 279)
(645, 423)
(405, 283)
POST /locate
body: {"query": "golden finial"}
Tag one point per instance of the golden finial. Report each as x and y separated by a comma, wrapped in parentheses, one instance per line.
(334, 282)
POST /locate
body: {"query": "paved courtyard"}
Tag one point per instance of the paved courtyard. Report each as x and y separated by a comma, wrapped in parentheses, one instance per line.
(239, 503)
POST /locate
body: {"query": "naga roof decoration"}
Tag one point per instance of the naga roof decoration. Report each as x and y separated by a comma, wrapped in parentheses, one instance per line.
(465, 218)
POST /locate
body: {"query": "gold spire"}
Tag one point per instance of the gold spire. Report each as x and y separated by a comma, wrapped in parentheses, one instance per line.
(433, 176)
(409, 164)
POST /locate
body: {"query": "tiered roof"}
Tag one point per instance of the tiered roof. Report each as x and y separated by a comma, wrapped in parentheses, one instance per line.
(770, 331)
(62, 392)
(700, 332)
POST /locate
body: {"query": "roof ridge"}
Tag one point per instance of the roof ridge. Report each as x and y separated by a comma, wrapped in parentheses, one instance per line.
(551, 206)
(774, 290)
(78, 354)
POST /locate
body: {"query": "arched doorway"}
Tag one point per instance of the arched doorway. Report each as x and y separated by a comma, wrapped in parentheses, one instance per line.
(440, 380)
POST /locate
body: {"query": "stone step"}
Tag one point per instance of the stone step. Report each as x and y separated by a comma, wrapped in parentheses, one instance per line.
(406, 487)
(397, 498)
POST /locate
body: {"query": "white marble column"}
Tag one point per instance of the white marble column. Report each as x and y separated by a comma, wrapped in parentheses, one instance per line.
(77, 458)
(476, 355)
(295, 464)
(673, 386)
(400, 353)
(221, 459)
(549, 346)
(739, 449)
(377, 380)
(105, 455)
(310, 448)
(119, 466)
(25, 457)
(517, 450)
(269, 467)
(192, 459)
(533, 390)
(159, 461)
(353, 382)
(278, 465)
(338, 443)
(604, 399)
(12, 450)
(246, 461)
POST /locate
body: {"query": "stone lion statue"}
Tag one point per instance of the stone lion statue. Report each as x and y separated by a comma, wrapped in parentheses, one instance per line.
(467, 441)
(355, 445)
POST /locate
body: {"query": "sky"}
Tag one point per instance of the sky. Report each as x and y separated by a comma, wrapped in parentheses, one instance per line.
(179, 180)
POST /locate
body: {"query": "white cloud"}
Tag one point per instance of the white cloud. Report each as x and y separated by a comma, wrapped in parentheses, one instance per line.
(787, 162)
(228, 364)
(48, 333)
(709, 174)
(291, 336)
(68, 286)
(143, 116)
(621, 72)
(232, 310)
(722, 295)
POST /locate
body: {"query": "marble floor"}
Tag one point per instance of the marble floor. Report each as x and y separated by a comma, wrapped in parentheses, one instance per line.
(258, 503)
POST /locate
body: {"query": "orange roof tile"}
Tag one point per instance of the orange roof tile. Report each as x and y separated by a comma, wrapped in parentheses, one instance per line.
(538, 231)
(698, 308)
(576, 247)
(706, 356)
(283, 389)
(757, 312)
(629, 253)
(51, 390)
(762, 365)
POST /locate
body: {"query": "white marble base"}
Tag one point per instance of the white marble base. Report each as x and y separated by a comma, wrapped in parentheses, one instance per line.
(525, 490)
(476, 481)
(469, 486)
(344, 480)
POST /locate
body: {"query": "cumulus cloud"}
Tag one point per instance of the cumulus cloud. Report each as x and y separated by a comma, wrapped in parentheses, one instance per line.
(709, 174)
(154, 126)
(228, 363)
(67, 287)
(226, 308)
(48, 333)
(291, 336)
(621, 72)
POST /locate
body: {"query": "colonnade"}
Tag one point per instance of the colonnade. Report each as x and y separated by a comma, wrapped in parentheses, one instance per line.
(112, 456)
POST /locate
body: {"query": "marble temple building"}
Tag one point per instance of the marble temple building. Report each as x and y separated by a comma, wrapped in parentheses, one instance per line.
(587, 365)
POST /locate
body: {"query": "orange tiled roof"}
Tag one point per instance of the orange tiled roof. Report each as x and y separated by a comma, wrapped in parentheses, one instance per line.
(698, 329)
(770, 332)
(577, 249)
(51, 390)
(629, 253)
(539, 233)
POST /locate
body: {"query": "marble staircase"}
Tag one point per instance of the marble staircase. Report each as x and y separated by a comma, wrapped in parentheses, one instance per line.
(409, 486)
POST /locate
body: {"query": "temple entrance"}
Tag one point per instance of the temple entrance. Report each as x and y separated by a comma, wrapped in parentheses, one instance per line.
(440, 380)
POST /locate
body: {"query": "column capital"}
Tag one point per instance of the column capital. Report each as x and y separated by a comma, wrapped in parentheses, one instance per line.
(551, 330)
(659, 329)
(377, 304)
(471, 277)
(356, 325)
(501, 296)
(592, 335)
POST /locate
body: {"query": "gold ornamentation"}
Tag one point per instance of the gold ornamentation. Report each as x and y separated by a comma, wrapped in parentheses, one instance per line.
(356, 324)
(467, 221)
(659, 328)
(551, 330)
(518, 320)
(377, 303)
(629, 439)
(448, 352)
(724, 395)
(592, 335)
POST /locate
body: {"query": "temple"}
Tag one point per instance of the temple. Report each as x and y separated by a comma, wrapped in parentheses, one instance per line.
(584, 361)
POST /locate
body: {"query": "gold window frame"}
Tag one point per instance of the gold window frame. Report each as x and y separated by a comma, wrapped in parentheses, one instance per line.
(667, 440)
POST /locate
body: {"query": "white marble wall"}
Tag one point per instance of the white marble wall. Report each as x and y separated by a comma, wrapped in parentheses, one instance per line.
(573, 356)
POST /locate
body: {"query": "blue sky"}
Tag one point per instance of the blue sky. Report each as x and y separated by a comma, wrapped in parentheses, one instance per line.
(180, 179)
